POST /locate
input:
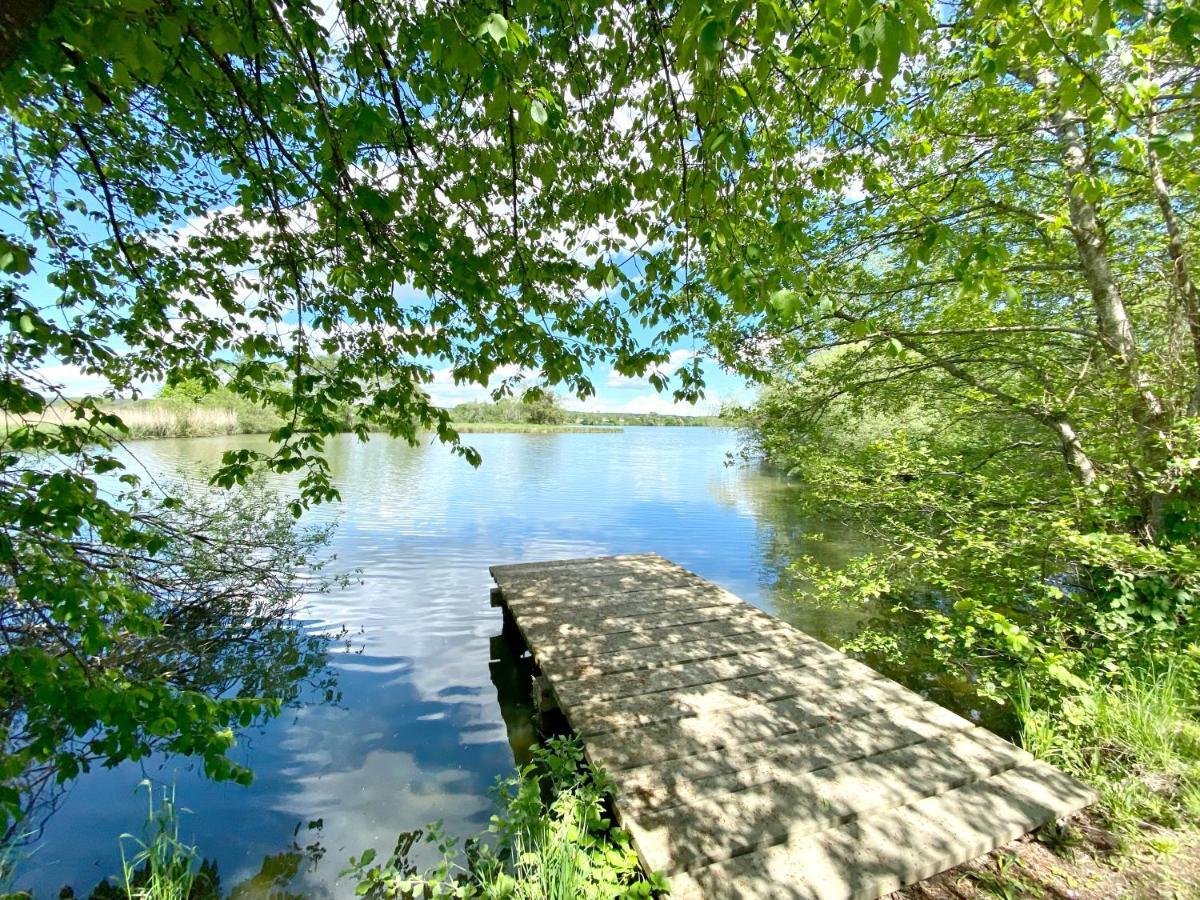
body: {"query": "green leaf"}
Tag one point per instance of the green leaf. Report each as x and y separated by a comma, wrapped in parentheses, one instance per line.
(765, 23)
(784, 301)
(711, 38)
(889, 49)
(1065, 677)
(537, 112)
(494, 26)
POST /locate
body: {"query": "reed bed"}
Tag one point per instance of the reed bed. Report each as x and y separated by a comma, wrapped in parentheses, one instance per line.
(160, 419)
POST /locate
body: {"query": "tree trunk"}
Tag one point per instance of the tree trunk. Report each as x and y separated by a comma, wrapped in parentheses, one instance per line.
(1078, 462)
(1116, 329)
(1181, 273)
(1115, 326)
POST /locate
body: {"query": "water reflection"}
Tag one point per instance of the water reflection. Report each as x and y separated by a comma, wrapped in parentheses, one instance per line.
(511, 669)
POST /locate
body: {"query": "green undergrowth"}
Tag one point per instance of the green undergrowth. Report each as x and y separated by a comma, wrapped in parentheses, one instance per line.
(1136, 740)
(552, 839)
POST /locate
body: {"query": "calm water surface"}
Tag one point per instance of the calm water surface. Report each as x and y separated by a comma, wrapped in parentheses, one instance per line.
(431, 710)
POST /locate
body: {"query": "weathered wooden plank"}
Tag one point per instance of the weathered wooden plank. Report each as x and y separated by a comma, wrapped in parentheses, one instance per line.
(613, 568)
(674, 782)
(896, 847)
(817, 681)
(751, 760)
(722, 825)
(509, 571)
(729, 727)
(605, 584)
(704, 671)
(547, 627)
(563, 606)
(771, 637)
(744, 620)
(620, 607)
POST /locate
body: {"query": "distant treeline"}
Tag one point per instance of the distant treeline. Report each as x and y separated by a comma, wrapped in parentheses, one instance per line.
(186, 409)
(545, 409)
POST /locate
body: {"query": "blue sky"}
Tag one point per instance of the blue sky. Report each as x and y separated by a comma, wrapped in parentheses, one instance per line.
(616, 392)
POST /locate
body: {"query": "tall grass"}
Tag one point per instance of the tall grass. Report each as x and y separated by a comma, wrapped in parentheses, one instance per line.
(165, 419)
(173, 420)
(1137, 741)
(552, 856)
(162, 867)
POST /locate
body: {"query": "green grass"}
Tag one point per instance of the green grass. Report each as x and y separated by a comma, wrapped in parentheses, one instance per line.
(1136, 740)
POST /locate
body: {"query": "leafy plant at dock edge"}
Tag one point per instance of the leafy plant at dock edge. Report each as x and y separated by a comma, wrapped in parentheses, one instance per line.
(552, 839)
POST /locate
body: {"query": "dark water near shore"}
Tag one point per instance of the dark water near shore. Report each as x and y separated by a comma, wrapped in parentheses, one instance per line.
(432, 709)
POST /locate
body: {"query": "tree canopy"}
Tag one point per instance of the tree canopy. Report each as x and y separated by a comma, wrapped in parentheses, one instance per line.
(983, 324)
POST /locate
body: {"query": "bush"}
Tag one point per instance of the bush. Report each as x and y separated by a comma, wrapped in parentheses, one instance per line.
(193, 635)
(990, 561)
(534, 408)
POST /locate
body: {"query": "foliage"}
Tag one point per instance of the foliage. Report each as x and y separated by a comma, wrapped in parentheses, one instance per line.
(167, 627)
(987, 205)
(651, 419)
(990, 557)
(1006, 881)
(307, 207)
(548, 409)
(229, 193)
(554, 840)
(1137, 741)
(982, 330)
(538, 408)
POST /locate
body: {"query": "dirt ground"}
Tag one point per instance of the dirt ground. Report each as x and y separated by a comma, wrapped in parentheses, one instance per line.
(1077, 862)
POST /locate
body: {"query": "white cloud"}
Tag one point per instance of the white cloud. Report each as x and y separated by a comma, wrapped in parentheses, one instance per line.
(650, 402)
(445, 392)
(72, 381)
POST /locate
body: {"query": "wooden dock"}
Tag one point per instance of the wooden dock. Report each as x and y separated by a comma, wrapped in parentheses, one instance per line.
(751, 760)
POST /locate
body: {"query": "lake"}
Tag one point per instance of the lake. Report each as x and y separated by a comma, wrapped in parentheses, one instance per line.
(433, 707)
